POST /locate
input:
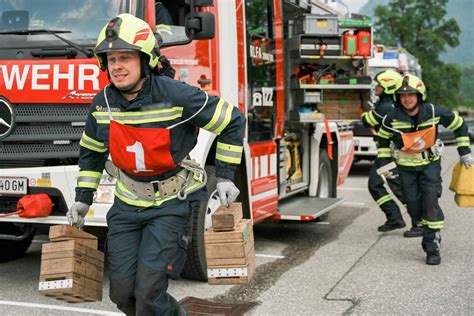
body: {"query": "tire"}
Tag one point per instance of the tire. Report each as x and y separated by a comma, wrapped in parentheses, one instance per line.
(326, 180)
(195, 267)
(14, 249)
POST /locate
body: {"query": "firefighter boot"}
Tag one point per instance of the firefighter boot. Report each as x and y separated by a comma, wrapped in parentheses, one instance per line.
(415, 231)
(433, 258)
(391, 225)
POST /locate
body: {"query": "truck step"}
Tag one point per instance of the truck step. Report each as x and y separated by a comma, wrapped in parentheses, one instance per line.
(299, 208)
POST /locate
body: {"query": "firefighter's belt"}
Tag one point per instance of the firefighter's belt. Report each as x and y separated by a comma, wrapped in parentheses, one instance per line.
(428, 154)
(147, 190)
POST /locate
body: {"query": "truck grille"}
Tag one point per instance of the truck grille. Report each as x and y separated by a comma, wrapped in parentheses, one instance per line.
(44, 131)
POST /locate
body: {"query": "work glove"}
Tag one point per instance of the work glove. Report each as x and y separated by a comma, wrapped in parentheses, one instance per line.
(467, 160)
(76, 214)
(227, 191)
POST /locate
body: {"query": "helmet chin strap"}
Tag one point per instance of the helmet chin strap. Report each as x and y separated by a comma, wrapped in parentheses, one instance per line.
(144, 72)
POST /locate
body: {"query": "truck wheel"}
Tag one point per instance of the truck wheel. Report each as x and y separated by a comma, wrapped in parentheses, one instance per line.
(195, 267)
(14, 249)
(325, 183)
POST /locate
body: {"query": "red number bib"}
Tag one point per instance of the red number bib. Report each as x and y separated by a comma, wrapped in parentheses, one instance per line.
(419, 141)
(140, 151)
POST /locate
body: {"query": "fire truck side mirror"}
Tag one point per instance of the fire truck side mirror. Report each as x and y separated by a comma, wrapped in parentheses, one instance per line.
(200, 25)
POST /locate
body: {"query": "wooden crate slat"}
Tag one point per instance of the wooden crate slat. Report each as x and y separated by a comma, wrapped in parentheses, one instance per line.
(60, 284)
(227, 262)
(72, 248)
(229, 250)
(63, 265)
(251, 266)
(60, 231)
(226, 218)
(92, 243)
(94, 273)
(74, 288)
(93, 290)
(241, 233)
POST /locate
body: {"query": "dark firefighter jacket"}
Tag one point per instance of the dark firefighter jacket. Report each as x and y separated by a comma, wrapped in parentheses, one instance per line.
(374, 117)
(162, 102)
(400, 121)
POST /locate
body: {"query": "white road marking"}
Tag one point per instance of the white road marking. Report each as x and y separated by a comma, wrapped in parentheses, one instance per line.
(269, 256)
(352, 189)
(64, 308)
(353, 203)
(322, 223)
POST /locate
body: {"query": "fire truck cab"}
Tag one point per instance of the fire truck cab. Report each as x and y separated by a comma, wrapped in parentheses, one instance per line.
(284, 64)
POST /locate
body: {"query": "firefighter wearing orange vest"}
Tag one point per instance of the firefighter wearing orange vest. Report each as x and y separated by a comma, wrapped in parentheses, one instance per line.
(412, 127)
(386, 85)
(148, 124)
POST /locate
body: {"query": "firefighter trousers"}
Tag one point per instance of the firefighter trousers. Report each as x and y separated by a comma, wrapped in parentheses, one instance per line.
(421, 186)
(145, 247)
(380, 194)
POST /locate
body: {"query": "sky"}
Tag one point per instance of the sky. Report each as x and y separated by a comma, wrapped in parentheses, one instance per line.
(355, 5)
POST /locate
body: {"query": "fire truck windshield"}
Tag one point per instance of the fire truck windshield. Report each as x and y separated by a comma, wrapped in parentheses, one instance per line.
(82, 18)
(88, 52)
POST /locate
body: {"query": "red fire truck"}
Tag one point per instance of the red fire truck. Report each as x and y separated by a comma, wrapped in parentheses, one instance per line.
(281, 63)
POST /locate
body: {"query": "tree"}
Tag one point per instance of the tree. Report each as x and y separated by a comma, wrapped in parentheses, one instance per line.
(420, 27)
(467, 82)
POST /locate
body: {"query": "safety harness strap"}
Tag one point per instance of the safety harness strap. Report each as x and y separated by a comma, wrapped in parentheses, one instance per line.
(177, 186)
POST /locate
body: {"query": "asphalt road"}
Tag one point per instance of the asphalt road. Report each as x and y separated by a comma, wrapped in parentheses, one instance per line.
(340, 266)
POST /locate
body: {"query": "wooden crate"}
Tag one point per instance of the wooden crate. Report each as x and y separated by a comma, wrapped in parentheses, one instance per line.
(229, 244)
(67, 232)
(71, 271)
(227, 217)
(70, 287)
(235, 274)
(72, 248)
(341, 95)
(230, 255)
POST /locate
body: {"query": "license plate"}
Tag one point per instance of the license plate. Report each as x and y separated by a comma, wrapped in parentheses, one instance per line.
(13, 185)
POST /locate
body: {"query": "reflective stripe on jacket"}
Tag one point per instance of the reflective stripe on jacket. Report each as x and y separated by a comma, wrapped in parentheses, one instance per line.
(401, 122)
(162, 103)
